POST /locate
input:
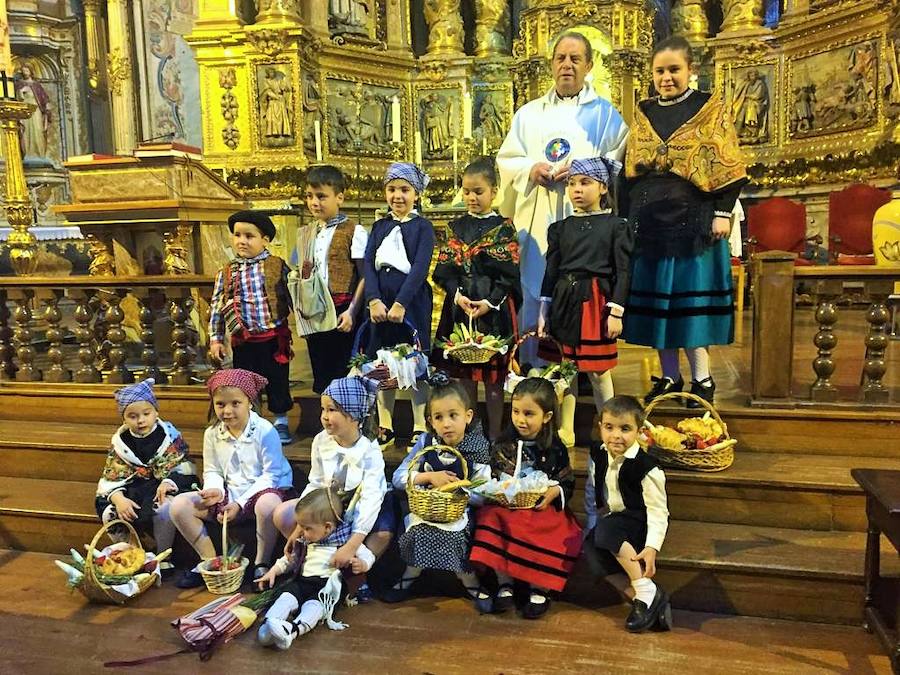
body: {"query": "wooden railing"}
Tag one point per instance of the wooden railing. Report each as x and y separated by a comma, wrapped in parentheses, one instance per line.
(776, 279)
(95, 318)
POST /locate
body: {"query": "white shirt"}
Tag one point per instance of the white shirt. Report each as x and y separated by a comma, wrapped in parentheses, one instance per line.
(653, 488)
(391, 252)
(346, 468)
(322, 245)
(317, 562)
(245, 465)
(591, 125)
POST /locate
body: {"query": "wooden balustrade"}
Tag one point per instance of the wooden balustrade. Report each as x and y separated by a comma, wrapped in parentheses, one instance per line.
(773, 329)
(98, 349)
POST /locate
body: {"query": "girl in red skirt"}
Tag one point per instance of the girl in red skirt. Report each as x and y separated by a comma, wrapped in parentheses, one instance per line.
(536, 546)
(587, 278)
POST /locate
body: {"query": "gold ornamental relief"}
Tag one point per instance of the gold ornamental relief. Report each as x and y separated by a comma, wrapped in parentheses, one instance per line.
(742, 15)
(118, 70)
(445, 27)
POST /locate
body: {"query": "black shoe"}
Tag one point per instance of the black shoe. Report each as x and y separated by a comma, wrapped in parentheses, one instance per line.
(190, 579)
(663, 385)
(503, 603)
(399, 591)
(705, 389)
(535, 610)
(664, 622)
(484, 603)
(642, 617)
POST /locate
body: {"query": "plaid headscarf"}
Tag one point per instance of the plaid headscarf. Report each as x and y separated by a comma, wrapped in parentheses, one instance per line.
(408, 172)
(598, 168)
(354, 394)
(139, 391)
(248, 382)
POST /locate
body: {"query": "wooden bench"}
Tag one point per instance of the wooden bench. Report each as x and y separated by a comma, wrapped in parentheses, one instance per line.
(882, 488)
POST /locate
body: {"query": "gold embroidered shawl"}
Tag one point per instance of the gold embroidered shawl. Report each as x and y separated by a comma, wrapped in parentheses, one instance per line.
(704, 150)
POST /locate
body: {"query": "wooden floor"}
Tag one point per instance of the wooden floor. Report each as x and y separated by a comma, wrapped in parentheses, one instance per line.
(46, 629)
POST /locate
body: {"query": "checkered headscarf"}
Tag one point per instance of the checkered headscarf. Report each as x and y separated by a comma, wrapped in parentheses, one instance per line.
(354, 394)
(408, 172)
(139, 391)
(248, 382)
(598, 168)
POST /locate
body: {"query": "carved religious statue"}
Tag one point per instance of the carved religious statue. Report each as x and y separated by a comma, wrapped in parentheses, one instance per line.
(311, 112)
(348, 16)
(445, 27)
(276, 107)
(491, 27)
(742, 14)
(436, 122)
(34, 130)
(751, 108)
(490, 122)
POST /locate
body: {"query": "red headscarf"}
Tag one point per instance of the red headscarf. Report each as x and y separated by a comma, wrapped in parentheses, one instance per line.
(247, 381)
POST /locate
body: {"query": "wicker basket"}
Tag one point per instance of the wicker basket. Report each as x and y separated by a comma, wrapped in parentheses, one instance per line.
(514, 371)
(223, 582)
(714, 458)
(380, 372)
(473, 353)
(521, 500)
(434, 506)
(94, 589)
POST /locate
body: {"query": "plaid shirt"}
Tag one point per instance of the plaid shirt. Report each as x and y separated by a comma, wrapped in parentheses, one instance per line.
(249, 301)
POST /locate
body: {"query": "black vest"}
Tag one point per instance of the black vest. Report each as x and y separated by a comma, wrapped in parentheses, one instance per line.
(630, 476)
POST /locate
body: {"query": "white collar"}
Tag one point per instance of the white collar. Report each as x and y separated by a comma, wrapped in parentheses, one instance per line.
(630, 453)
(675, 101)
(586, 95)
(491, 214)
(583, 214)
(405, 219)
(225, 435)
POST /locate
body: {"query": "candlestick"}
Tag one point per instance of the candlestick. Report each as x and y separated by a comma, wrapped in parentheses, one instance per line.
(318, 131)
(467, 115)
(484, 147)
(418, 148)
(395, 120)
(455, 152)
(397, 151)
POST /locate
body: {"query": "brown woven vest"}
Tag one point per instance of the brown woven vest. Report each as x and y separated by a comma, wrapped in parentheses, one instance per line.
(342, 274)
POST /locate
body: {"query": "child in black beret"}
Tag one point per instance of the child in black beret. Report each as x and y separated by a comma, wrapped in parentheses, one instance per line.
(251, 302)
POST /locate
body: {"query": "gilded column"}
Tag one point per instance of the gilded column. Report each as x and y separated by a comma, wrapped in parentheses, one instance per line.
(95, 35)
(445, 27)
(316, 14)
(120, 80)
(21, 243)
(491, 28)
(689, 20)
(742, 15)
(398, 24)
(214, 15)
(279, 12)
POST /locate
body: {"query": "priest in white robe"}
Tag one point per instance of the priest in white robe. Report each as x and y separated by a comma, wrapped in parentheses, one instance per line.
(569, 122)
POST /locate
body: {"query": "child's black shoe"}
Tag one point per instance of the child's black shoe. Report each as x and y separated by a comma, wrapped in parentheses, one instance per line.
(705, 389)
(642, 617)
(190, 579)
(536, 608)
(661, 386)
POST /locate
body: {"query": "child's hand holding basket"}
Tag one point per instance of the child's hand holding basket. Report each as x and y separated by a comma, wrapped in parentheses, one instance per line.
(559, 374)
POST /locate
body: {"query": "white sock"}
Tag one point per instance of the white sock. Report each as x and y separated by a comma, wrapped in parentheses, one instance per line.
(385, 401)
(281, 419)
(668, 359)
(538, 598)
(311, 613)
(698, 357)
(602, 388)
(275, 627)
(471, 583)
(644, 590)
(284, 605)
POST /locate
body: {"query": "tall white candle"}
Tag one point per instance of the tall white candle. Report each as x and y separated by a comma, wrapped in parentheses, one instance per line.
(318, 129)
(484, 146)
(467, 115)
(418, 148)
(455, 151)
(395, 120)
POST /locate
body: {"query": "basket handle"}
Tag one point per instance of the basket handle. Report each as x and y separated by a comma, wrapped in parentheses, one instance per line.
(514, 363)
(89, 567)
(363, 326)
(421, 453)
(225, 541)
(675, 395)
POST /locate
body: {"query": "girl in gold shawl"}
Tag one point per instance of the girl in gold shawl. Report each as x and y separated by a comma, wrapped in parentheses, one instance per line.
(684, 172)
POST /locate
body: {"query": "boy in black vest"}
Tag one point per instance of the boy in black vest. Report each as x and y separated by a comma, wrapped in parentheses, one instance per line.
(627, 516)
(250, 302)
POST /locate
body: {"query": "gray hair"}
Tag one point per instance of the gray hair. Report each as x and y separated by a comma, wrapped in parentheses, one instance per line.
(575, 35)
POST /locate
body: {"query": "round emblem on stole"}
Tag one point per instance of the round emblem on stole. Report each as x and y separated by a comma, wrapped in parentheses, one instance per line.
(662, 149)
(557, 150)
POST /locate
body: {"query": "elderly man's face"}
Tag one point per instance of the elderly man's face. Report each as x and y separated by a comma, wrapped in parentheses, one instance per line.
(570, 66)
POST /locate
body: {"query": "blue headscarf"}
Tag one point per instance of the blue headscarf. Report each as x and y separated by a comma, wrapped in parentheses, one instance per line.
(602, 169)
(408, 172)
(139, 391)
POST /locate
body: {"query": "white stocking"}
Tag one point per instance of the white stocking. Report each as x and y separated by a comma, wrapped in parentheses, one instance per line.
(419, 399)
(698, 357)
(311, 613)
(386, 399)
(602, 388)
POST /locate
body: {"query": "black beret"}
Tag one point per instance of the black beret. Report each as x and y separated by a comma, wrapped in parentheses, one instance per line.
(258, 218)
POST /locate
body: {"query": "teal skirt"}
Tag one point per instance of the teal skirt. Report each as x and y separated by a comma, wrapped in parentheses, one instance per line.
(681, 302)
